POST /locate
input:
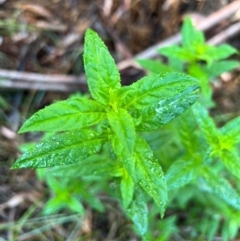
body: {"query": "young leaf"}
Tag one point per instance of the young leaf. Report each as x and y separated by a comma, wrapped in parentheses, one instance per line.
(191, 36)
(127, 189)
(154, 66)
(147, 173)
(166, 109)
(74, 113)
(219, 186)
(179, 53)
(62, 149)
(101, 70)
(123, 128)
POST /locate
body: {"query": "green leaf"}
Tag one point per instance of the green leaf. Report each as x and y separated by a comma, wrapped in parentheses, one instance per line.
(61, 149)
(147, 173)
(181, 172)
(176, 52)
(101, 70)
(150, 90)
(167, 109)
(191, 36)
(53, 206)
(75, 205)
(123, 128)
(232, 130)
(97, 164)
(217, 68)
(186, 127)
(220, 52)
(219, 186)
(127, 189)
(197, 71)
(138, 213)
(154, 66)
(231, 161)
(74, 113)
(206, 124)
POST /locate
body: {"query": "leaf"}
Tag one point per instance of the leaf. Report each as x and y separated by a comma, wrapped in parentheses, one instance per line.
(181, 172)
(214, 183)
(123, 128)
(220, 52)
(231, 161)
(179, 53)
(166, 109)
(75, 205)
(101, 70)
(138, 213)
(232, 130)
(197, 71)
(154, 66)
(53, 206)
(61, 149)
(206, 124)
(97, 164)
(217, 68)
(147, 173)
(150, 90)
(186, 127)
(74, 113)
(191, 36)
(127, 189)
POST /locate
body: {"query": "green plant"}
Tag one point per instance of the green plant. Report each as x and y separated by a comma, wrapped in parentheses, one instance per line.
(201, 161)
(110, 124)
(196, 58)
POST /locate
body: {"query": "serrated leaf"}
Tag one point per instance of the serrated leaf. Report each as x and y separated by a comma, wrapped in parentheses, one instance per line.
(181, 172)
(97, 164)
(154, 66)
(138, 213)
(74, 113)
(191, 36)
(166, 109)
(147, 173)
(123, 128)
(101, 70)
(219, 186)
(231, 161)
(148, 91)
(206, 124)
(127, 189)
(61, 149)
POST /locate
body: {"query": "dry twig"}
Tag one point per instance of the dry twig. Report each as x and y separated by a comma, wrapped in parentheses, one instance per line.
(21, 80)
